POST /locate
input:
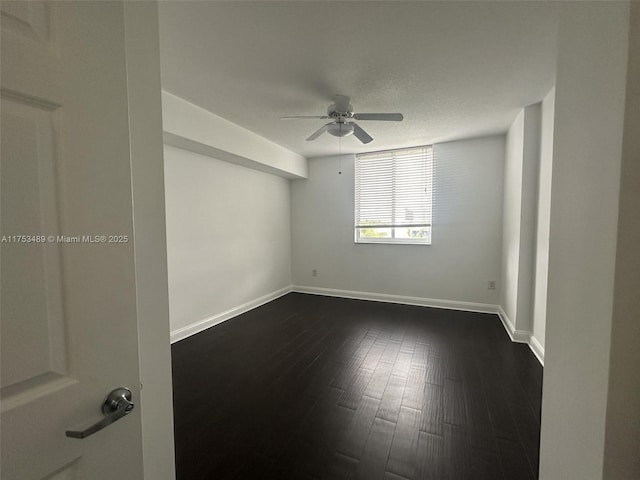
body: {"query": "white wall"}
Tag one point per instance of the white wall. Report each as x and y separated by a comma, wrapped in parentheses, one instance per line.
(228, 236)
(587, 151)
(623, 403)
(530, 169)
(519, 221)
(467, 230)
(193, 128)
(511, 218)
(542, 221)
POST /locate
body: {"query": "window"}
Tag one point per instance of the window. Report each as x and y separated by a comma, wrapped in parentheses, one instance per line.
(393, 196)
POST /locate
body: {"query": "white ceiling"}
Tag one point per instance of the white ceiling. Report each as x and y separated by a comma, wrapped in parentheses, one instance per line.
(454, 69)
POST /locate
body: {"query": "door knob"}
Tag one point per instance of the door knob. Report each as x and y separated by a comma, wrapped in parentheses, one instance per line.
(117, 404)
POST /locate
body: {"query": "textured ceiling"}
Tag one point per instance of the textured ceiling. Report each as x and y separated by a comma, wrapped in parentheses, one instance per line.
(454, 69)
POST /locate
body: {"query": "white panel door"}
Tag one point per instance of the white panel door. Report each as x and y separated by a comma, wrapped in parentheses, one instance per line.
(68, 300)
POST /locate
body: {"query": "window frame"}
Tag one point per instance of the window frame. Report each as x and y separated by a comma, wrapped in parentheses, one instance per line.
(427, 184)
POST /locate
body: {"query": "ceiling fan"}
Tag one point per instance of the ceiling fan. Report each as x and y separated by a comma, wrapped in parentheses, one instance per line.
(341, 125)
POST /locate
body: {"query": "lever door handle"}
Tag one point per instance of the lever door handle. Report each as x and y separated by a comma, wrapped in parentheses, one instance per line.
(117, 404)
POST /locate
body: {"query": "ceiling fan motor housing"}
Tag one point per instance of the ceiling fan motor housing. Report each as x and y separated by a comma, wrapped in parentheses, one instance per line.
(337, 111)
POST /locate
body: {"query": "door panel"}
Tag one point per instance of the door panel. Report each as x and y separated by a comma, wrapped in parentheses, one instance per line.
(32, 328)
(68, 310)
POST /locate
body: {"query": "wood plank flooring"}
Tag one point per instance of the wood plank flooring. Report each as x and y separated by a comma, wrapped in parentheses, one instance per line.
(311, 387)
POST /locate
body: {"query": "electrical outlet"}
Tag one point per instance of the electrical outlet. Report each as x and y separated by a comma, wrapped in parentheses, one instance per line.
(314, 273)
(491, 284)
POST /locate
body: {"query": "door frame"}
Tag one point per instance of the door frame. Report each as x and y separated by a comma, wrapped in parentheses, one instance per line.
(142, 46)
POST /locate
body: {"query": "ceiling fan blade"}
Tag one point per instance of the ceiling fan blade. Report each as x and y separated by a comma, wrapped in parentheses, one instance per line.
(318, 132)
(388, 117)
(305, 117)
(360, 134)
(341, 103)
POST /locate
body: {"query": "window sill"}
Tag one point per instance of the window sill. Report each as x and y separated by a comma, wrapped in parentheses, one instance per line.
(387, 242)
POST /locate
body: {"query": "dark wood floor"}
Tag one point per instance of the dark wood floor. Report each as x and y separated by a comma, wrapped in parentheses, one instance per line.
(310, 387)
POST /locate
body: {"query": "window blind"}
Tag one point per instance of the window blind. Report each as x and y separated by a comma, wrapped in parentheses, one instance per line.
(393, 190)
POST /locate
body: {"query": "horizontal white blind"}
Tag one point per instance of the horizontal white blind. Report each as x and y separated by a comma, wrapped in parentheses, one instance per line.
(394, 188)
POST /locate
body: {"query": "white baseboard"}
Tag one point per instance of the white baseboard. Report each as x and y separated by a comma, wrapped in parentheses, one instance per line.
(519, 336)
(184, 332)
(537, 349)
(522, 336)
(383, 297)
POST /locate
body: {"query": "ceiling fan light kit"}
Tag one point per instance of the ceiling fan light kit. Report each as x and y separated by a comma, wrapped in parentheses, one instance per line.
(340, 129)
(342, 124)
